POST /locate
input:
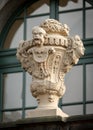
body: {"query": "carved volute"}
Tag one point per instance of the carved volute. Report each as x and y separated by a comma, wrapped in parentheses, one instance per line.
(48, 57)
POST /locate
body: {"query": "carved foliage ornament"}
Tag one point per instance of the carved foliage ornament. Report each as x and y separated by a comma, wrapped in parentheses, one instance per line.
(49, 56)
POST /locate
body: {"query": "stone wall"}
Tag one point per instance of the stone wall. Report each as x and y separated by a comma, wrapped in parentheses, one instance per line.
(51, 123)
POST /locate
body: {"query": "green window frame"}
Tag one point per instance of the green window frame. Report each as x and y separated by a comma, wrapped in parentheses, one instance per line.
(9, 63)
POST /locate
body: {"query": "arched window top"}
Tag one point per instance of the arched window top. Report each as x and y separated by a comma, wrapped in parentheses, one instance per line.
(34, 12)
(31, 15)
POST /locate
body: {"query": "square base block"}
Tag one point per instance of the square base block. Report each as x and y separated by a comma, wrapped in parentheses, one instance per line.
(40, 112)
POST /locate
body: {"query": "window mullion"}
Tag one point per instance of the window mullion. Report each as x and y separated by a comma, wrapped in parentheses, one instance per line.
(84, 20)
(84, 89)
(1, 96)
(54, 8)
(24, 33)
(24, 94)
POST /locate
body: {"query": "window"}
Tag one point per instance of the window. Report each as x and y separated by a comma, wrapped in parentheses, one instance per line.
(15, 96)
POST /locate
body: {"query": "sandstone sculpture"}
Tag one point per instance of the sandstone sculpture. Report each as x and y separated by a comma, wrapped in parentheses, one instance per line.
(48, 57)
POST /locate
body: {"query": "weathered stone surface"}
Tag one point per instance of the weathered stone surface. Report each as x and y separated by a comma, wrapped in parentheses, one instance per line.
(48, 57)
(51, 123)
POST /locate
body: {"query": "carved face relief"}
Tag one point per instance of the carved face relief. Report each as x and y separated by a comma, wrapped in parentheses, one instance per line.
(40, 54)
(38, 35)
(79, 46)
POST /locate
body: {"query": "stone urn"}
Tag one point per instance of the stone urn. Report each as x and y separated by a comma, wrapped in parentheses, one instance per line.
(48, 57)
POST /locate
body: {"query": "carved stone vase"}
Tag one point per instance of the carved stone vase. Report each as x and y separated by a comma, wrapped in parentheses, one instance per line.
(48, 57)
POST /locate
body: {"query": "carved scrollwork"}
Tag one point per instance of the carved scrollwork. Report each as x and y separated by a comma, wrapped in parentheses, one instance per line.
(49, 56)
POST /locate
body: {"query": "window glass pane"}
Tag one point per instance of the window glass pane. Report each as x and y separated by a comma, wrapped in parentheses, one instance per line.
(73, 110)
(12, 90)
(70, 5)
(88, 4)
(34, 22)
(74, 21)
(12, 116)
(15, 35)
(40, 9)
(89, 109)
(30, 100)
(89, 23)
(74, 84)
(89, 82)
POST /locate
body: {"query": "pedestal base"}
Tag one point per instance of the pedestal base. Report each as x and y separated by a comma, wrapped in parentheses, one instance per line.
(40, 112)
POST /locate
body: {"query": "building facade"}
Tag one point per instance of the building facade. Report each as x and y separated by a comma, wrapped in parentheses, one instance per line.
(17, 20)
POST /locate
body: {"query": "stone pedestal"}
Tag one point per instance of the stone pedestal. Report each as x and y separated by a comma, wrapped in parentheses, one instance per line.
(39, 112)
(47, 108)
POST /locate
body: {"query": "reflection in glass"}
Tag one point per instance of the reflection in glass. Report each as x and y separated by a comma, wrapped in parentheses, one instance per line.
(89, 23)
(12, 116)
(89, 82)
(88, 4)
(12, 90)
(73, 110)
(74, 21)
(30, 100)
(15, 35)
(74, 84)
(89, 109)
